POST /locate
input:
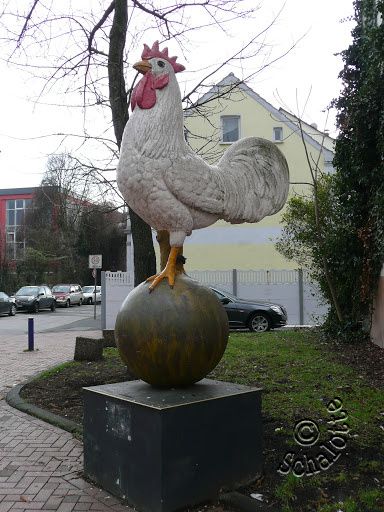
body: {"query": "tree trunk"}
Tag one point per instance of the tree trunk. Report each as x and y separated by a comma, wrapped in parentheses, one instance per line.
(144, 254)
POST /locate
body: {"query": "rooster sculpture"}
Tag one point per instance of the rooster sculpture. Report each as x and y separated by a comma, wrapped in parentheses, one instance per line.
(174, 190)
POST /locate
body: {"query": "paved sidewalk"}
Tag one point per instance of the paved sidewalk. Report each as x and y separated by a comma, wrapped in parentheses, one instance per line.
(41, 465)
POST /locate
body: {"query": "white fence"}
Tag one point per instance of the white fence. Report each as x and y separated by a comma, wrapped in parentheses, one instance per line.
(115, 286)
(291, 288)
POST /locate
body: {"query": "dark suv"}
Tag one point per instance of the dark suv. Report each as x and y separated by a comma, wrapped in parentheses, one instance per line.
(34, 298)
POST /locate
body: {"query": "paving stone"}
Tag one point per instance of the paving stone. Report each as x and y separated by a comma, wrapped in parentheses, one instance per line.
(71, 499)
(5, 506)
(53, 503)
(66, 507)
(44, 495)
(32, 505)
(16, 476)
(82, 506)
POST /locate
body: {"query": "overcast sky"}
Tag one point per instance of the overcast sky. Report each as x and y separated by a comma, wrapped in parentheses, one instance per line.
(310, 66)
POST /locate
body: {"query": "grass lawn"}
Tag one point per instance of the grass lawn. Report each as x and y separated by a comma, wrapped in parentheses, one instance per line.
(309, 394)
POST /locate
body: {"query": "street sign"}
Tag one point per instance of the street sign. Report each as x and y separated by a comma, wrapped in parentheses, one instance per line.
(95, 261)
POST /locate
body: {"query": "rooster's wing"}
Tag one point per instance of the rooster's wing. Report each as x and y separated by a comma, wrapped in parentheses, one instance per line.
(195, 183)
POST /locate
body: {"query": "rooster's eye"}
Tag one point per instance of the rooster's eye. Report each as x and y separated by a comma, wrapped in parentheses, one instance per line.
(160, 63)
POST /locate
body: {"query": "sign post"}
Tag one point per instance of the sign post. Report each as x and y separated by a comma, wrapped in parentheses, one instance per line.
(95, 261)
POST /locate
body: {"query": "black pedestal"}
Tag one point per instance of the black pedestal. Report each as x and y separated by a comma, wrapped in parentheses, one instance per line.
(162, 450)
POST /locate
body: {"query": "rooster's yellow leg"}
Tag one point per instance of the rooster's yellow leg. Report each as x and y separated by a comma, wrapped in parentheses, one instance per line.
(169, 271)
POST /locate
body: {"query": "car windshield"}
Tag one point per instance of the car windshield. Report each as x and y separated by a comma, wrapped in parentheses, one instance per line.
(226, 294)
(88, 289)
(28, 290)
(61, 288)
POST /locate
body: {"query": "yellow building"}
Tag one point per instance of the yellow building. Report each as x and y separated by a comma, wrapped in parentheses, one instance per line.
(229, 111)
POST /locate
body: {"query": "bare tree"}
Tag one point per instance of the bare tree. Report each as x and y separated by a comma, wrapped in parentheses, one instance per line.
(316, 174)
(83, 50)
(66, 224)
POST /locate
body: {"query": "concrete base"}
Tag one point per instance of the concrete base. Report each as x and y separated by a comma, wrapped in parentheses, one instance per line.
(161, 450)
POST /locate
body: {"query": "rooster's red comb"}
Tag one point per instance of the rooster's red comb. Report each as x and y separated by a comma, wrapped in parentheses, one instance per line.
(149, 53)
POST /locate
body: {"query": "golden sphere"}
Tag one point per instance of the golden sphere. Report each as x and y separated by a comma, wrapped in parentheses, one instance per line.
(171, 337)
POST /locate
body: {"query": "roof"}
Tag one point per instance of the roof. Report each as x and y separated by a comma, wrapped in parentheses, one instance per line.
(232, 80)
(312, 130)
(17, 191)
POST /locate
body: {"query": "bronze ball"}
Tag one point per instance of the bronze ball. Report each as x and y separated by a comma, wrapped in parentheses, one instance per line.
(171, 337)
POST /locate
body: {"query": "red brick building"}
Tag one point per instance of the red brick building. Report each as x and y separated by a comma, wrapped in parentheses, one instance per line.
(14, 202)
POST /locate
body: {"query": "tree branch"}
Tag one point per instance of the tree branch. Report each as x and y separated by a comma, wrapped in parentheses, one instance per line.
(98, 25)
(24, 29)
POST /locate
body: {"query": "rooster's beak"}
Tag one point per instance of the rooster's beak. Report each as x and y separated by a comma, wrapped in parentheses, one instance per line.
(143, 66)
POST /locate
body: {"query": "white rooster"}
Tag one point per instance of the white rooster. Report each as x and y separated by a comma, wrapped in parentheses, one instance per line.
(171, 187)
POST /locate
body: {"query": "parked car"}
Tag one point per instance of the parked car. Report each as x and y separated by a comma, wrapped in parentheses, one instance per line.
(35, 298)
(7, 305)
(68, 294)
(256, 315)
(91, 294)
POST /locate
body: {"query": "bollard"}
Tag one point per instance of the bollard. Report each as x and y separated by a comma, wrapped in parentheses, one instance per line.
(31, 340)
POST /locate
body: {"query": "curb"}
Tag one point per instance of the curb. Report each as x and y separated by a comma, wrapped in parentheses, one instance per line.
(14, 399)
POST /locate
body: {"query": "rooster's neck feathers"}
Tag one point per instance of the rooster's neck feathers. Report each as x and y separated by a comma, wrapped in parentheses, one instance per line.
(158, 131)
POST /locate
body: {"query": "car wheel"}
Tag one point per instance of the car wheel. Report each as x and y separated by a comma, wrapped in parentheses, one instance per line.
(89, 301)
(259, 322)
(36, 307)
(53, 306)
(80, 302)
(68, 303)
(12, 311)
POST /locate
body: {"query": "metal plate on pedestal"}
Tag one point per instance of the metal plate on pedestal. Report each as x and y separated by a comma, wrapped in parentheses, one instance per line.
(142, 393)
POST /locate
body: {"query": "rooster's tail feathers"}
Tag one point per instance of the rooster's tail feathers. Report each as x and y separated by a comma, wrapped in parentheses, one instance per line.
(255, 179)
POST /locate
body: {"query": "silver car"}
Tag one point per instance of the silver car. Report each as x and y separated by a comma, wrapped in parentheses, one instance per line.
(91, 294)
(68, 294)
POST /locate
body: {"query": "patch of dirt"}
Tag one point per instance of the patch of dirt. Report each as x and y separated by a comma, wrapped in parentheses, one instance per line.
(61, 392)
(365, 357)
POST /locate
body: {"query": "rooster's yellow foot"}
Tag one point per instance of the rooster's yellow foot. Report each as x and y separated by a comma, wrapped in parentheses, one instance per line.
(169, 271)
(157, 278)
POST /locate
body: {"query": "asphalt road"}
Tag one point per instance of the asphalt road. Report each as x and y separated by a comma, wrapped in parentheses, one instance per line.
(75, 318)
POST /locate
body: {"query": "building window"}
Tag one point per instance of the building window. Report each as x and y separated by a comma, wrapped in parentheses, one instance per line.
(278, 134)
(15, 240)
(230, 128)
